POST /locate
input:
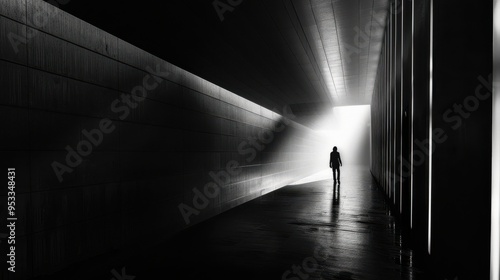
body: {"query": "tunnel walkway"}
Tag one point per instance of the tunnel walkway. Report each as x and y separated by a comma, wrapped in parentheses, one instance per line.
(302, 231)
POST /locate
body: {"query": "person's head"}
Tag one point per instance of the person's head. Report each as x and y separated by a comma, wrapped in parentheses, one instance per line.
(335, 148)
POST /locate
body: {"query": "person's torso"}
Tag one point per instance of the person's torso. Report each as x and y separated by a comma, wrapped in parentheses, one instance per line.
(334, 156)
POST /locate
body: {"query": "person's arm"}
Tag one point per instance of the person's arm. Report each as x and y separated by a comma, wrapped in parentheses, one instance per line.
(330, 160)
(340, 160)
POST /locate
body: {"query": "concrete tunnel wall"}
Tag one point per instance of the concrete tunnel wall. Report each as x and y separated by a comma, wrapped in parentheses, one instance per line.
(66, 88)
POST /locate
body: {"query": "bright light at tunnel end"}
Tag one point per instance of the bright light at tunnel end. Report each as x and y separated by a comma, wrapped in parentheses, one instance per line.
(349, 131)
(347, 128)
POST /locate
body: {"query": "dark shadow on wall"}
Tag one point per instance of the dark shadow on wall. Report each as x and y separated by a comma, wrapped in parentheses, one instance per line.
(113, 141)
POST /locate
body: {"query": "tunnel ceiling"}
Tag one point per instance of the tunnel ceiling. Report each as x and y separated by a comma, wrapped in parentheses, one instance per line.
(310, 55)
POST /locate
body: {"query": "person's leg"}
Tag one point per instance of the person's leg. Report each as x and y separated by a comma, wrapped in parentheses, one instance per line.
(338, 174)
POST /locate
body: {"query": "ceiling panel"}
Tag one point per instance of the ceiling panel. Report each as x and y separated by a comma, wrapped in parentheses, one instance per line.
(308, 54)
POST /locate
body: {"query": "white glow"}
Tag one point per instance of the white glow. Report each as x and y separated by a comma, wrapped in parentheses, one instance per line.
(496, 23)
(325, 174)
(348, 129)
(430, 123)
(495, 164)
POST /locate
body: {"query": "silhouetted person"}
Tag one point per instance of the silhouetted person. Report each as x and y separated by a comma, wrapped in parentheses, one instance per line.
(335, 163)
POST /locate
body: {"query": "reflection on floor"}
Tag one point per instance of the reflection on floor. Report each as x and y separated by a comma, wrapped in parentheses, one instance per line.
(302, 231)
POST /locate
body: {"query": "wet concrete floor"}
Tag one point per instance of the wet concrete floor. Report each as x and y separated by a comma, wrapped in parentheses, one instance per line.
(304, 231)
(307, 230)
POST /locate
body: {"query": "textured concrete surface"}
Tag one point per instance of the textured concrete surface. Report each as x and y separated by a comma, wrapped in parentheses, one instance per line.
(307, 230)
(62, 80)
